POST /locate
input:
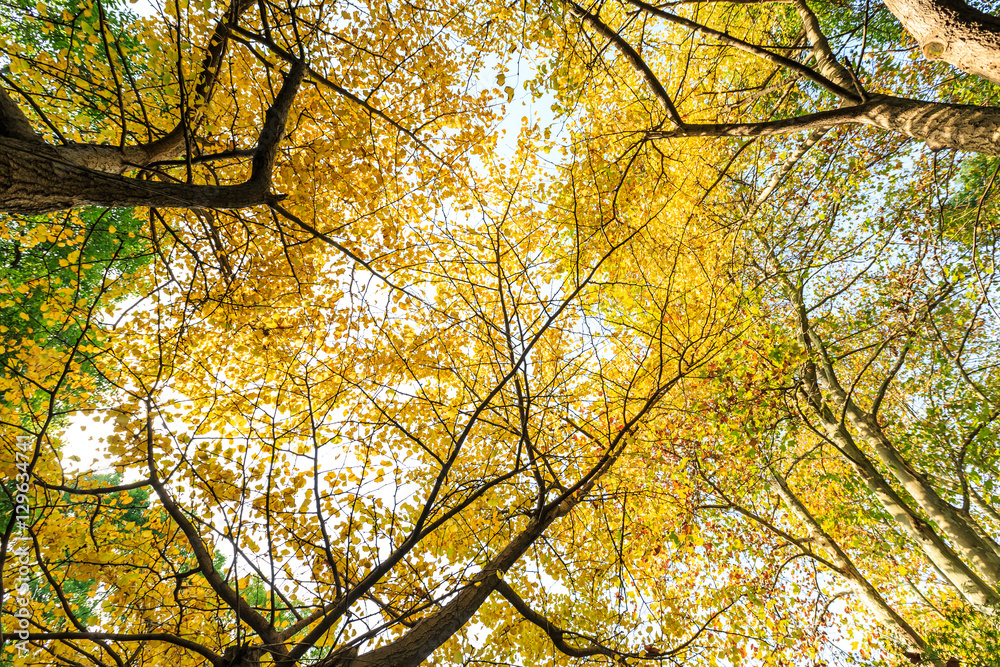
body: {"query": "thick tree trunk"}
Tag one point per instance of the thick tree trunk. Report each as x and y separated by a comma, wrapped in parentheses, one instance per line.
(416, 645)
(34, 179)
(965, 580)
(818, 380)
(953, 31)
(967, 541)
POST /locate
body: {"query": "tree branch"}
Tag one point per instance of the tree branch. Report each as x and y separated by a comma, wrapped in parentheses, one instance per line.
(826, 61)
(13, 122)
(36, 178)
(555, 633)
(781, 61)
(117, 160)
(131, 637)
(244, 611)
(959, 126)
(634, 59)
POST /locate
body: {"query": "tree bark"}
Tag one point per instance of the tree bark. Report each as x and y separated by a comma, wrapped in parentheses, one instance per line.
(969, 585)
(959, 126)
(826, 60)
(974, 524)
(818, 381)
(967, 541)
(431, 632)
(36, 177)
(952, 31)
(964, 127)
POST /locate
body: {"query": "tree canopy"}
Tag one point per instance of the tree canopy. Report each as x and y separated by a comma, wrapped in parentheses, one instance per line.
(531, 333)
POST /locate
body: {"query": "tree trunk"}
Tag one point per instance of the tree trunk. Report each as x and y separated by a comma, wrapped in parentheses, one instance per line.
(431, 632)
(971, 587)
(953, 31)
(960, 126)
(969, 542)
(821, 389)
(966, 539)
(34, 179)
(976, 526)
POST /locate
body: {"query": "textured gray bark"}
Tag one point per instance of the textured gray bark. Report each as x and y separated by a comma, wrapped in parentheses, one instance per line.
(964, 127)
(976, 526)
(953, 31)
(115, 160)
(960, 126)
(826, 61)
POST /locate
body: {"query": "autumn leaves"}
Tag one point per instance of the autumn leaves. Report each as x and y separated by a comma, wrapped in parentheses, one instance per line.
(621, 391)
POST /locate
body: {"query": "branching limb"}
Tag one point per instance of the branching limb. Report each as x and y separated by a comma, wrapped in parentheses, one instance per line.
(38, 179)
(630, 54)
(959, 126)
(826, 61)
(131, 637)
(846, 93)
(555, 633)
(877, 604)
(13, 122)
(119, 159)
(246, 613)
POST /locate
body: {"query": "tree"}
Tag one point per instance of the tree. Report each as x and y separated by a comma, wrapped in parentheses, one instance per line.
(782, 94)
(376, 474)
(395, 396)
(817, 261)
(153, 94)
(383, 484)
